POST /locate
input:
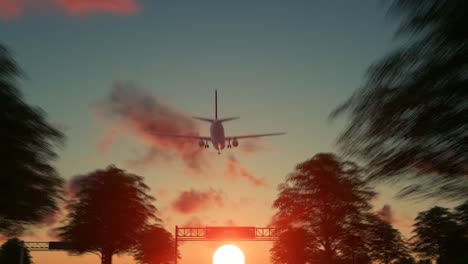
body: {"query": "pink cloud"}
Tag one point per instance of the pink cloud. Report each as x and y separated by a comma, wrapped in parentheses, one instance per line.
(144, 116)
(234, 170)
(11, 9)
(194, 201)
(194, 222)
(109, 138)
(386, 214)
(73, 186)
(84, 7)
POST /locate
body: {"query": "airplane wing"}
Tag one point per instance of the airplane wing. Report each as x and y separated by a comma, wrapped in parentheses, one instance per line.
(181, 136)
(255, 136)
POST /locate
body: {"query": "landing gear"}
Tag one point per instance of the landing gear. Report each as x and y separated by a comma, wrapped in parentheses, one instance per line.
(206, 144)
(229, 144)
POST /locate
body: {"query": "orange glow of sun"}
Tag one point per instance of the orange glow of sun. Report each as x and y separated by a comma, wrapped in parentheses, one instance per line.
(228, 254)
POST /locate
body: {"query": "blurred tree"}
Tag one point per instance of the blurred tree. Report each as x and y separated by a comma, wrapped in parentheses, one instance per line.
(30, 187)
(292, 247)
(10, 252)
(461, 215)
(326, 197)
(406, 260)
(437, 236)
(108, 214)
(424, 261)
(410, 119)
(386, 245)
(155, 246)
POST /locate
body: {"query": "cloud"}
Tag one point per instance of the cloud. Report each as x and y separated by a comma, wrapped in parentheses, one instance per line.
(194, 222)
(250, 146)
(53, 234)
(193, 201)
(109, 138)
(145, 115)
(11, 9)
(386, 214)
(234, 170)
(74, 185)
(85, 7)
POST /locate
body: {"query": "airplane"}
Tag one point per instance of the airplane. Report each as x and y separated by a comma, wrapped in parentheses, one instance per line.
(217, 137)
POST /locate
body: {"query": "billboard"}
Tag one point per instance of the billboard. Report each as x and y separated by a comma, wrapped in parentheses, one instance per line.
(230, 232)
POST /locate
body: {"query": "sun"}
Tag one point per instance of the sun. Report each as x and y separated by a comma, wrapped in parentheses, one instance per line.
(228, 254)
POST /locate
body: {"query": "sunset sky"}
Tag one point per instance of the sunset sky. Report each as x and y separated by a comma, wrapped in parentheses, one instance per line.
(105, 71)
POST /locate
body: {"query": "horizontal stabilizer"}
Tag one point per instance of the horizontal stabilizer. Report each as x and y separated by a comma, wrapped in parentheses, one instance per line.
(228, 119)
(203, 119)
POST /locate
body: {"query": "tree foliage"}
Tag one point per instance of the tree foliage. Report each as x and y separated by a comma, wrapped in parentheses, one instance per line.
(108, 214)
(11, 251)
(155, 246)
(438, 236)
(292, 247)
(386, 244)
(30, 186)
(410, 119)
(326, 197)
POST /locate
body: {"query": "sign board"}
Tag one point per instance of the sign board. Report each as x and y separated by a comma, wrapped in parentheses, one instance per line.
(230, 232)
(59, 246)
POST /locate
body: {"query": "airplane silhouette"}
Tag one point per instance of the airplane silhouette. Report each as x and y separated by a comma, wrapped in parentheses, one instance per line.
(217, 137)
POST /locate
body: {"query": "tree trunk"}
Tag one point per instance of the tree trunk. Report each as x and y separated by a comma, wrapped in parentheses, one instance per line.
(328, 254)
(106, 257)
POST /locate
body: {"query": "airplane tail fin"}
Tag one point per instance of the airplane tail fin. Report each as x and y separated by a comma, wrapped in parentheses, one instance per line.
(216, 104)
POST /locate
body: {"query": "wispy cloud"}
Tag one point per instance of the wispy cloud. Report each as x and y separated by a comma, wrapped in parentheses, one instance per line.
(11, 9)
(145, 115)
(234, 170)
(194, 221)
(85, 7)
(193, 201)
(386, 214)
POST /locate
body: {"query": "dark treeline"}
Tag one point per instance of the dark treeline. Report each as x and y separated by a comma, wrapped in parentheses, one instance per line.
(324, 212)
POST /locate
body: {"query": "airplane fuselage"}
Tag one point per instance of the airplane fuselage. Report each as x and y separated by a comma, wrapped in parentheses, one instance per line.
(217, 135)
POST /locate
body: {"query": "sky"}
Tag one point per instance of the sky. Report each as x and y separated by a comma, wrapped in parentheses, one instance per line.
(105, 71)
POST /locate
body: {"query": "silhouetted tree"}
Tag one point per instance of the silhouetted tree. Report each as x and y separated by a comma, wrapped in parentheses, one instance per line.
(30, 187)
(155, 246)
(461, 215)
(108, 214)
(406, 260)
(10, 252)
(327, 197)
(292, 247)
(410, 119)
(437, 236)
(386, 245)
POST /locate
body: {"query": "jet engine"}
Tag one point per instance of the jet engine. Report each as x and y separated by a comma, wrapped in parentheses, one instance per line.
(235, 143)
(201, 143)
